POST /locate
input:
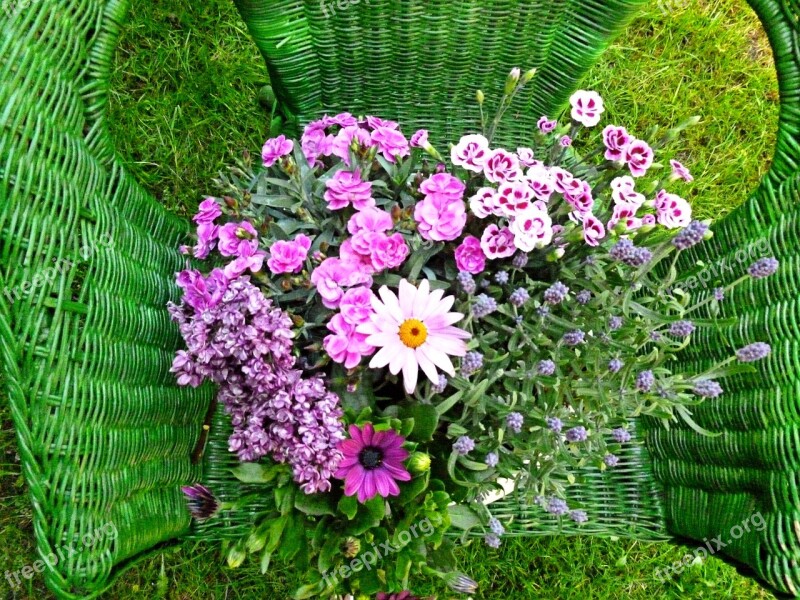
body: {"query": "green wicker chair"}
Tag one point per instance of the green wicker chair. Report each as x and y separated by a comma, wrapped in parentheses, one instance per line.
(87, 260)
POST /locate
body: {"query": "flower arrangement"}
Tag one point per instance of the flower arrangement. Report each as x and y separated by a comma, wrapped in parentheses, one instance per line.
(394, 333)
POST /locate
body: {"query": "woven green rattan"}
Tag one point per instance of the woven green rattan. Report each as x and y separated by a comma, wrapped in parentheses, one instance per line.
(87, 260)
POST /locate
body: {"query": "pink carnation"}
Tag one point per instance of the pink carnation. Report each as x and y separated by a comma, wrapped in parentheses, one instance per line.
(469, 256)
(440, 218)
(680, 172)
(501, 166)
(345, 188)
(275, 149)
(346, 137)
(593, 230)
(333, 275)
(443, 184)
(419, 139)
(546, 125)
(497, 243)
(288, 257)
(484, 203)
(370, 219)
(387, 252)
(639, 156)
(586, 107)
(616, 139)
(526, 158)
(541, 183)
(391, 143)
(514, 197)
(470, 153)
(356, 305)
(532, 229)
(345, 345)
(234, 237)
(672, 211)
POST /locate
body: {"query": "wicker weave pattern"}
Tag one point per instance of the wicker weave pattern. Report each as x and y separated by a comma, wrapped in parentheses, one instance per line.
(420, 61)
(105, 435)
(103, 432)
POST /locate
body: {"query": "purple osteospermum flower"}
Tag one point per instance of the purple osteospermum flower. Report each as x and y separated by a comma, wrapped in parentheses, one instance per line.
(645, 381)
(492, 540)
(614, 323)
(546, 367)
(584, 297)
(484, 306)
(682, 329)
(680, 172)
(615, 365)
(514, 421)
(557, 506)
(492, 459)
(621, 435)
(554, 424)
(372, 463)
(467, 282)
(472, 362)
(202, 503)
(464, 445)
(690, 236)
(574, 338)
(501, 277)
(577, 434)
(556, 293)
(763, 267)
(753, 352)
(707, 388)
(579, 516)
(611, 460)
(719, 294)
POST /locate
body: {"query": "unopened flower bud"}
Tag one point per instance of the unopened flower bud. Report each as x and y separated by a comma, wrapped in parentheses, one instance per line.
(419, 463)
(528, 76)
(513, 80)
(236, 556)
(351, 547)
(555, 255)
(480, 97)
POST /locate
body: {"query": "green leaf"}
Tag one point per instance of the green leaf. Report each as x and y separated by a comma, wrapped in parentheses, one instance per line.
(376, 507)
(311, 590)
(402, 569)
(284, 499)
(426, 420)
(275, 532)
(315, 504)
(463, 517)
(255, 473)
(294, 538)
(412, 489)
(329, 551)
(370, 582)
(449, 403)
(687, 418)
(266, 558)
(348, 505)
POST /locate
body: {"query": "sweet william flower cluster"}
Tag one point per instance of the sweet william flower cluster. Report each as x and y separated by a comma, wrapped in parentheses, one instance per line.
(393, 324)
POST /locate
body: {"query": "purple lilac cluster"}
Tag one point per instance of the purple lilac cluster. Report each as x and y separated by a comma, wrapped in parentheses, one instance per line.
(238, 339)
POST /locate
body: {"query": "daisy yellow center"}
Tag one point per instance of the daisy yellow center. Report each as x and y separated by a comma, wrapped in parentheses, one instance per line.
(413, 333)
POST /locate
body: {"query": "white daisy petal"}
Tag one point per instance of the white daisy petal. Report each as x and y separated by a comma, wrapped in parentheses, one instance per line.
(410, 373)
(405, 356)
(385, 356)
(438, 358)
(391, 303)
(426, 364)
(406, 295)
(437, 307)
(420, 304)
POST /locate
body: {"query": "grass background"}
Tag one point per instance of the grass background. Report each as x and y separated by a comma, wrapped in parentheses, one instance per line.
(184, 103)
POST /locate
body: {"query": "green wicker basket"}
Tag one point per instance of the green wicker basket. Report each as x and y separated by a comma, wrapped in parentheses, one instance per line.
(87, 260)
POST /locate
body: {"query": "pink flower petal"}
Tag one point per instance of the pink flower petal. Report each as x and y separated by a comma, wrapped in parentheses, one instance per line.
(355, 480)
(367, 489)
(410, 374)
(426, 364)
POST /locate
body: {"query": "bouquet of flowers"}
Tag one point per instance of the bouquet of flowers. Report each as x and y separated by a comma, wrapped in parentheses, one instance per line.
(396, 333)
